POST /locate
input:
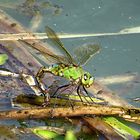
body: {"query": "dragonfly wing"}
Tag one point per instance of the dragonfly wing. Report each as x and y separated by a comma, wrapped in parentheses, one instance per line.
(56, 41)
(55, 59)
(85, 52)
(49, 56)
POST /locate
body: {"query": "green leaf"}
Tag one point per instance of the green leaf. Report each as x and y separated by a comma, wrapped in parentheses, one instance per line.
(70, 135)
(45, 133)
(122, 128)
(3, 58)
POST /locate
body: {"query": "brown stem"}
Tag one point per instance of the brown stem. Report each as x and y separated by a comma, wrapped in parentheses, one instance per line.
(60, 112)
(69, 112)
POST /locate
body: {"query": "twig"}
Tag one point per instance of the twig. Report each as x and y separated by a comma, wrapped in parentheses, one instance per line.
(27, 35)
(126, 113)
(60, 112)
(29, 79)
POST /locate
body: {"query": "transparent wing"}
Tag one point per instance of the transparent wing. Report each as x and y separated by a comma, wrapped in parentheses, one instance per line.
(85, 52)
(56, 41)
(50, 57)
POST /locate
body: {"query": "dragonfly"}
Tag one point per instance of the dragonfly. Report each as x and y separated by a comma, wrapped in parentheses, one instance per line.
(68, 67)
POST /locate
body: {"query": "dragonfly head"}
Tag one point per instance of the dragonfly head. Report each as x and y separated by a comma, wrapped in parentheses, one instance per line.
(87, 80)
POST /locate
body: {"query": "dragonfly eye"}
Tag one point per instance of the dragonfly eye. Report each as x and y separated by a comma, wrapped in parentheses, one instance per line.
(91, 78)
(85, 77)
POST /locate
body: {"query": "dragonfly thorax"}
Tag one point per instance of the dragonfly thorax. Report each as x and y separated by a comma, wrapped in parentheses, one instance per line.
(73, 73)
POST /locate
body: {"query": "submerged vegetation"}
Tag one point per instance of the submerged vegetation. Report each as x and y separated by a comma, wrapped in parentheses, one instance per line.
(34, 7)
(3, 59)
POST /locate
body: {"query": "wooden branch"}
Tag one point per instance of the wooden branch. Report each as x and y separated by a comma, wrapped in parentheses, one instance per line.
(126, 113)
(60, 112)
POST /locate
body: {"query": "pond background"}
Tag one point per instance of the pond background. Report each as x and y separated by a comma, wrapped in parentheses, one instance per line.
(119, 55)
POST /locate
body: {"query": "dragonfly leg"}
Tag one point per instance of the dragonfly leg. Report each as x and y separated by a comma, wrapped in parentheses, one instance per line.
(88, 94)
(78, 92)
(64, 86)
(46, 99)
(40, 74)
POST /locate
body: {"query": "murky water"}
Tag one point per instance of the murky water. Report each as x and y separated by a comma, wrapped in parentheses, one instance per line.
(119, 54)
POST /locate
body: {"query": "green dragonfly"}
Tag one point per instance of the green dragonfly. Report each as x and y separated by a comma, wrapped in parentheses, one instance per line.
(68, 67)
